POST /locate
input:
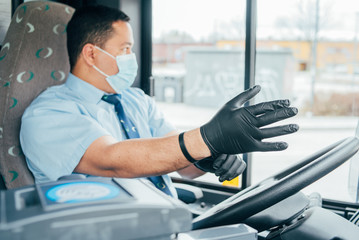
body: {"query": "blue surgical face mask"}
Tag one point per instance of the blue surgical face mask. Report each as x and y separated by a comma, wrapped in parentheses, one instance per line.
(127, 71)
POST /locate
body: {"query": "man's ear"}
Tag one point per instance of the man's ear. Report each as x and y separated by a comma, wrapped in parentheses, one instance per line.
(88, 54)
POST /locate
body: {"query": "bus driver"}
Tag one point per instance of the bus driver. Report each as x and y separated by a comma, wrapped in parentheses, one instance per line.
(96, 124)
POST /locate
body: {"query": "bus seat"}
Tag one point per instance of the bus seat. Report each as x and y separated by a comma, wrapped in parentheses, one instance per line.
(33, 57)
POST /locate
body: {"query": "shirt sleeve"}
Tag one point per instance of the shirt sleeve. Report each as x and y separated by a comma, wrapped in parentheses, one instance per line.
(55, 140)
(159, 126)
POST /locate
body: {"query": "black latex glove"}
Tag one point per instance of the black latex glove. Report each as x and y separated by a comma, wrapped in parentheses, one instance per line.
(235, 129)
(225, 166)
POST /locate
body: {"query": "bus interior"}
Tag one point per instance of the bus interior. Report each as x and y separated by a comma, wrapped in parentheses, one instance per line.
(193, 56)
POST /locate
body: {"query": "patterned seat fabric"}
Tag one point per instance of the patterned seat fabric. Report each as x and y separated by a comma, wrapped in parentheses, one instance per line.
(33, 57)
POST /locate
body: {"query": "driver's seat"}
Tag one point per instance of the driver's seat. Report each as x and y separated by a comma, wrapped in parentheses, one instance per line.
(33, 57)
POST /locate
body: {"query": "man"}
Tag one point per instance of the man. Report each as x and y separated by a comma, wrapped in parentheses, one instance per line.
(81, 127)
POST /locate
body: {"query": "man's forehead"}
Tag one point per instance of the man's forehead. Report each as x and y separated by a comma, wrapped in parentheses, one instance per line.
(121, 26)
(122, 31)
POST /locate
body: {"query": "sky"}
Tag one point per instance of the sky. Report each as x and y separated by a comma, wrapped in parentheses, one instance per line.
(197, 17)
(201, 17)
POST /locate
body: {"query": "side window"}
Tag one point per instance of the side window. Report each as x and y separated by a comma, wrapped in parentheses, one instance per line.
(198, 58)
(5, 18)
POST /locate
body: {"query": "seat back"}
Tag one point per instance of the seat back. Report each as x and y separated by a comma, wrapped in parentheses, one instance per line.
(33, 57)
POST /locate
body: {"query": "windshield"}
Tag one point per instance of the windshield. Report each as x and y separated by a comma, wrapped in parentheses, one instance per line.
(306, 51)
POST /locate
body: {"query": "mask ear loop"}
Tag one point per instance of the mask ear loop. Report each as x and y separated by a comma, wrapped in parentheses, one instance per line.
(100, 71)
(106, 54)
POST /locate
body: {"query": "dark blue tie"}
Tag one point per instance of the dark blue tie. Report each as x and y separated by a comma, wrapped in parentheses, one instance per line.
(128, 127)
(131, 132)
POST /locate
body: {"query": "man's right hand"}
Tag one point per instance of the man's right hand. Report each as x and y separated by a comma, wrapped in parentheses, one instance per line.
(224, 166)
(236, 129)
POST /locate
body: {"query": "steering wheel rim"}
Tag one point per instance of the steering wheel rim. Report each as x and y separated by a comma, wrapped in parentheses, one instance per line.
(282, 185)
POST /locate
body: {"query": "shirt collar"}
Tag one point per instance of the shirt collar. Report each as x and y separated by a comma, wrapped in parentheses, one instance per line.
(83, 89)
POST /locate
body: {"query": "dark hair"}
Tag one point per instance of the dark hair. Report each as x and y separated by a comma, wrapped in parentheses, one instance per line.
(91, 24)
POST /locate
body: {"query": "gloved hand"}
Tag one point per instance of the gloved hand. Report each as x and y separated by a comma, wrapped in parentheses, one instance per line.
(235, 129)
(225, 166)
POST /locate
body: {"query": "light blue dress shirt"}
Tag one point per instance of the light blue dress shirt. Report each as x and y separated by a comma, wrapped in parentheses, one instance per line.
(62, 122)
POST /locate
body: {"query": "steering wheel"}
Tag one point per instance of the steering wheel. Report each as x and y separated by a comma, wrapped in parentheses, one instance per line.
(278, 187)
